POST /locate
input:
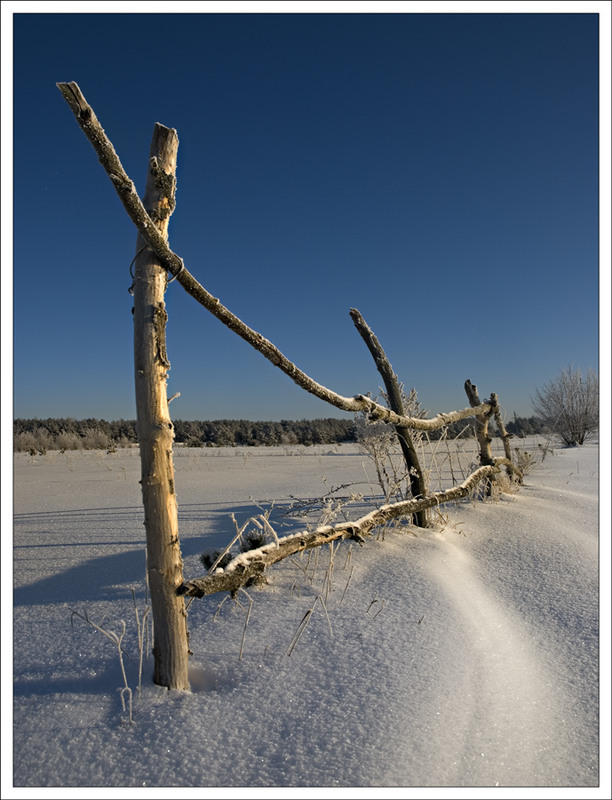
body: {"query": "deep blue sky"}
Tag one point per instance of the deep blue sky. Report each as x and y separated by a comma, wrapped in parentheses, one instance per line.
(437, 172)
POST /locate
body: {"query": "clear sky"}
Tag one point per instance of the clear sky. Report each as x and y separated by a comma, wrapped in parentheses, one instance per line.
(439, 172)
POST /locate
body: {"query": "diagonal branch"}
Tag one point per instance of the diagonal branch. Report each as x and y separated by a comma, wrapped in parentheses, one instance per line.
(124, 187)
(248, 567)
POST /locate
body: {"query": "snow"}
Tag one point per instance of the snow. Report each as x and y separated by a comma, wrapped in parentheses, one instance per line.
(465, 655)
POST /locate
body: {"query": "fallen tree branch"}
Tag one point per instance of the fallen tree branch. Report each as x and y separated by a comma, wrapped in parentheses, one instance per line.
(248, 567)
(125, 188)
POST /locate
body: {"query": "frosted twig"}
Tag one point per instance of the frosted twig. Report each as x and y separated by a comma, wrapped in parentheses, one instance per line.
(328, 579)
(379, 610)
(269, 528)
(219, 607)
(299, 632)
(116, 639)
(347, 583)
(239, 533)
(123, 691)
(141, 629)
(304, 569)
(326, 614)
(248, 616)
(372, 601)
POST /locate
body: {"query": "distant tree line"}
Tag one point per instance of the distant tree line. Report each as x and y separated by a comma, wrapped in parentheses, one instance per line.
(40, 435)
(233, 432)
(527, 426)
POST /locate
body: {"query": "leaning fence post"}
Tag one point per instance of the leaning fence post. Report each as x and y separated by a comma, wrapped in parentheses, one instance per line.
(155, 429)
(418, 486)
(505, 436)
(482, 429)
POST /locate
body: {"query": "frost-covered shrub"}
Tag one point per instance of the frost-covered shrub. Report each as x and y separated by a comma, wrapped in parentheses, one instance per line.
(68, 441)
(569, 404)
(24, 442)
(93, 439)
(37, 441)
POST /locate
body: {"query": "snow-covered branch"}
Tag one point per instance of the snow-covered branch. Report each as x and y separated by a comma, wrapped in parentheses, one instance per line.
(248, 567)
(124, 187)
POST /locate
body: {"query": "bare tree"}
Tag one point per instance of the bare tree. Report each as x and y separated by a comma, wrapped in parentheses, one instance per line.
(570, 405)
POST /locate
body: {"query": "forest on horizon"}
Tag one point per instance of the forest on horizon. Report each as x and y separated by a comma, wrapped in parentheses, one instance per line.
(40, 435)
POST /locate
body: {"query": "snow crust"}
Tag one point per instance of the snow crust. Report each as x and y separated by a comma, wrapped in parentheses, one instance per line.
(461, 656)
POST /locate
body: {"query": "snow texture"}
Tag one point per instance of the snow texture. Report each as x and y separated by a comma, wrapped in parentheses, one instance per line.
(465, 655)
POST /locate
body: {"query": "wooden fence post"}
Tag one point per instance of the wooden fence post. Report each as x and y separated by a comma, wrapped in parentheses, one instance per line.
(416, 478)
(505, 436)
(482, 430)
(155, 429)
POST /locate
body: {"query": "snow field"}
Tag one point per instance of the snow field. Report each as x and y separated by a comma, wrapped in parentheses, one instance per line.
(465, 655)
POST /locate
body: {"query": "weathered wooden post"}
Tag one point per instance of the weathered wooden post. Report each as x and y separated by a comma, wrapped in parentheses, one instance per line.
(482, 429)
(155, 429)
(505, 436)
(418, 485)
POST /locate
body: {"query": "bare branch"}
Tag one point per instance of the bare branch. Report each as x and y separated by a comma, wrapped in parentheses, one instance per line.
(124, 187)
(248, 567)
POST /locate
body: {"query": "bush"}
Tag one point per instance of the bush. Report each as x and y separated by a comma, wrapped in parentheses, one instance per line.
(569, 404)
(68, 441)
(33, 442)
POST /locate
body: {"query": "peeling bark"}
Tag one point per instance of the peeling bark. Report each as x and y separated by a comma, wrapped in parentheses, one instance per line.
(155, 429)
